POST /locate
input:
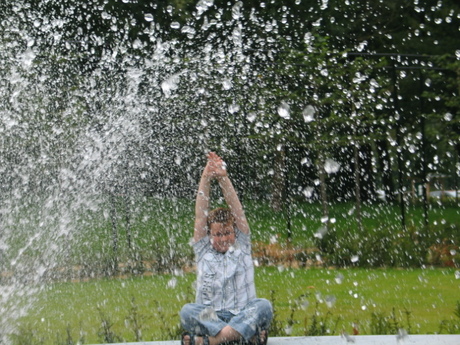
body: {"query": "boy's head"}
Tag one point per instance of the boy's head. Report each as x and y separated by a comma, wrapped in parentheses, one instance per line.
(221, 229)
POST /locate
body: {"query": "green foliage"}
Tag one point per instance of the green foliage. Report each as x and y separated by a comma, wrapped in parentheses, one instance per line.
(169, 328)
(451, 326)
(106, 333)
(379, 247)
(27, 335)
(276, 328)
(136, 321)
(389, 324)
(68, 338)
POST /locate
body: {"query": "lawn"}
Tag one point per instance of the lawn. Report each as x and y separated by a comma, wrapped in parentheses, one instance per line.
(320, 299)
(417, 300)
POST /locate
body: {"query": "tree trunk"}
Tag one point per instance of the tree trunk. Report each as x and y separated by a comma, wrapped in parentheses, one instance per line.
(357, 184)
(385, 167)
(323, 188)
(278, 180)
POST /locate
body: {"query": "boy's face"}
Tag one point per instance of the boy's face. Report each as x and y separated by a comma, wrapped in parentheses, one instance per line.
(222, 236)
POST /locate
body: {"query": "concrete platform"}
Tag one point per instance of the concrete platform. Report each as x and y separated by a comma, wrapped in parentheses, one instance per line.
(417, 339)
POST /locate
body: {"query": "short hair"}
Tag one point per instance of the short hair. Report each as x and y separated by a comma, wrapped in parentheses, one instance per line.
(220, 215)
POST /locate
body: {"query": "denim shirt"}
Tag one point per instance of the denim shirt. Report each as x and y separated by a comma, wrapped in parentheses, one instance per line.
(225, 281)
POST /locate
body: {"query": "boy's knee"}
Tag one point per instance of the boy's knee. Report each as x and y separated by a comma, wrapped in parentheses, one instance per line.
(265, 310)
(186, 310)
(265, 305)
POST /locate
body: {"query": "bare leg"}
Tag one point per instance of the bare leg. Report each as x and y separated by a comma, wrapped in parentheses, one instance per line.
(259, 338)
(262, 336)
(186, 339)
(226, 334)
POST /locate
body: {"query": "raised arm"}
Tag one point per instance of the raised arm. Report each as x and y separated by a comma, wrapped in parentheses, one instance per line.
(202, 203)
(216, 169)
(230, 195)
(233, 202)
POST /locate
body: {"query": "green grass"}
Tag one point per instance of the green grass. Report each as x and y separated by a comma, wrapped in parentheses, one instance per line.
(161, 230)
(306, 218)
(428, 295)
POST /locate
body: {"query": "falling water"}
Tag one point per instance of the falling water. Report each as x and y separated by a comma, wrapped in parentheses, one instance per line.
(84, 118)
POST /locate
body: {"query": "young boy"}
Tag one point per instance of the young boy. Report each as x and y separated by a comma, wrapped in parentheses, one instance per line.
(226, 308)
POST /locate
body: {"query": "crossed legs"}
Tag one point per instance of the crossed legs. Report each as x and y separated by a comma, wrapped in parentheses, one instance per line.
(222, 326)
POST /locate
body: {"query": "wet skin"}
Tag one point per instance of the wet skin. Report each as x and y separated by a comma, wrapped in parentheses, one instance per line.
(222, 236)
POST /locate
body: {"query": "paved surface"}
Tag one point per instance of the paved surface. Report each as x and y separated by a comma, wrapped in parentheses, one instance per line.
(418, 339)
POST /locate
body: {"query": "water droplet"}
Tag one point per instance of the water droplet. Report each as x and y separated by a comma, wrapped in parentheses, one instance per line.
(188, 30)
(331, 166)
(178, 272)
(339, 278)
(208, 314)
(422, 279)
(324, 4)
(268, 27)
(148, 17)
(251, 116)
(284, 111)
(320, 232)
(330, 301)
(304, 304)
(227, 84)
(308, 192)
(170, 84)
(233, 108)
(236, 10)
(402, 334)
(28, 58)
(318, 297)
(175, 25)
(172, 283)
(308, 113)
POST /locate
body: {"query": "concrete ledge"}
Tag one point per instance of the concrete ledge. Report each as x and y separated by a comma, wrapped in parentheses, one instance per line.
(417, 339)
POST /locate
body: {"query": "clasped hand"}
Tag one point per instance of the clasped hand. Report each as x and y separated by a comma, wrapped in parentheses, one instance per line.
(215, 167)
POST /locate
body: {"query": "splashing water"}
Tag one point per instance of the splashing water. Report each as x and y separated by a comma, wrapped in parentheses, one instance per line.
(86, 119)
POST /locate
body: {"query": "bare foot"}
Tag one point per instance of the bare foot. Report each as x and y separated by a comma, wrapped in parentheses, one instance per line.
(260, 338)
(263, 337)
(186, 339)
